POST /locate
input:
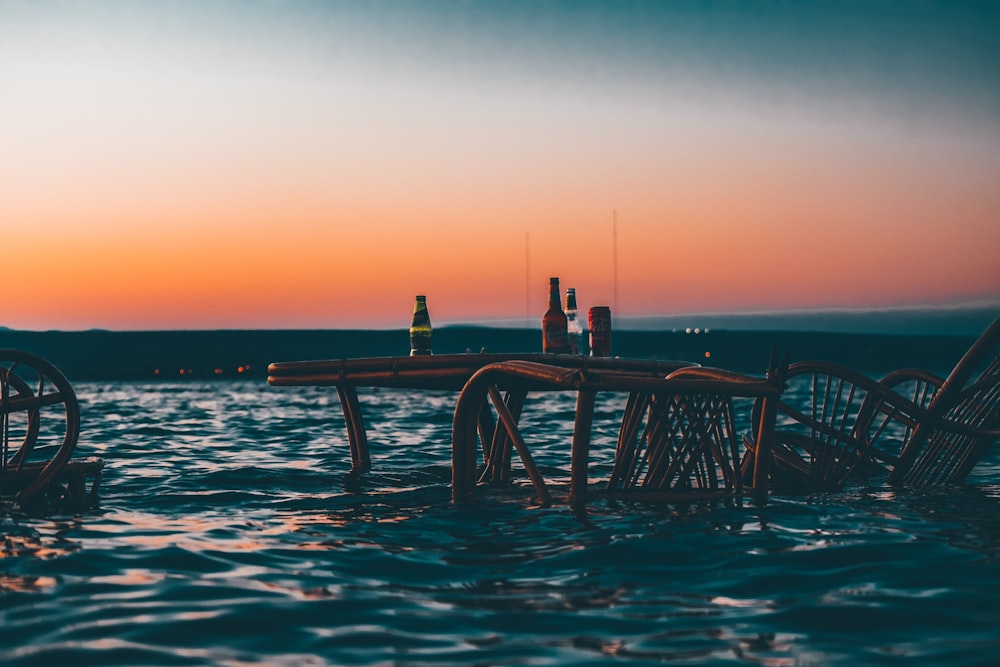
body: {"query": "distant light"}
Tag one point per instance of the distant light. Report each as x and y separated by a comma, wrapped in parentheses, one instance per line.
(156, 371)
(708, 354)
(218, 371)
(182, 371)
(688, 330)
(239, 370)
(697, 330)
(706, 330)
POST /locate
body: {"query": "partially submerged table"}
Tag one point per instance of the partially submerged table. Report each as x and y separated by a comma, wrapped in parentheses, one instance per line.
(676, 435)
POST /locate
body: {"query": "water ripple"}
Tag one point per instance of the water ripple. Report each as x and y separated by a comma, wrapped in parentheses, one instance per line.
(230, 532)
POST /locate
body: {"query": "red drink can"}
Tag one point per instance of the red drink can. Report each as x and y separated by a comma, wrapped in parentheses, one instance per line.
(599, 323)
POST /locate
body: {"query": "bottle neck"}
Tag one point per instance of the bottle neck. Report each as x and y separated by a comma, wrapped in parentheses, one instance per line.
(554, 295)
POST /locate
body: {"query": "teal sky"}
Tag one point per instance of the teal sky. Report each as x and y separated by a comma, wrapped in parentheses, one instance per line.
(880, 56)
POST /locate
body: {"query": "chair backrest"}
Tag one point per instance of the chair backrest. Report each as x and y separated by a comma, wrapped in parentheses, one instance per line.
(829, 419)
(962, 420)
(682, 439)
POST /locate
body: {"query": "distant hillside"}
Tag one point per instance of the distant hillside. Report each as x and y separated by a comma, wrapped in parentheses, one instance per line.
(173, 355)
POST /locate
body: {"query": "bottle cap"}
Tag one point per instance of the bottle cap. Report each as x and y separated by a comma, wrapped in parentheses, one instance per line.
(571, 298)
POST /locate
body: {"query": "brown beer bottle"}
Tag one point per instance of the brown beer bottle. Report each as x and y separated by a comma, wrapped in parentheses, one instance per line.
(554, 339)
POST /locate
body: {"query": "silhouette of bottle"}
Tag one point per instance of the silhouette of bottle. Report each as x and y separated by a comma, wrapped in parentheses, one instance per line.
(420, 328)
(574, 332)
(554, 323)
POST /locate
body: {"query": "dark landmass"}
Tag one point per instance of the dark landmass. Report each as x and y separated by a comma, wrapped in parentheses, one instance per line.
(201, 355)
(941, 320)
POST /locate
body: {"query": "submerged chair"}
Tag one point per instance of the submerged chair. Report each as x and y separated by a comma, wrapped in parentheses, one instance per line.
(39, 429)
(834, 422)
(677, 439)
(963, 420)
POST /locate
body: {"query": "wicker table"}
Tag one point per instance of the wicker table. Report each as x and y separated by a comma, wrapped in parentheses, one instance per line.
(476, 377)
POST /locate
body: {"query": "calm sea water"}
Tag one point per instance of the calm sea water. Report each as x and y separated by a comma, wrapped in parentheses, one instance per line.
(229, 533)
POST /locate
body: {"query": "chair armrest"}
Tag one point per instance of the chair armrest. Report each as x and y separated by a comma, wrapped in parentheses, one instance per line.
(902, 375)
(917, 385)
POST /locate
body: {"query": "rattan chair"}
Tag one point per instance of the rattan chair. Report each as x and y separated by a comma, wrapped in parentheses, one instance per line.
(834, 423)
(963, 420)
(39, 430)
(677, 437)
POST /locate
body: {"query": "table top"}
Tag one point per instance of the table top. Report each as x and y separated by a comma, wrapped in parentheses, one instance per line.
(441, 371)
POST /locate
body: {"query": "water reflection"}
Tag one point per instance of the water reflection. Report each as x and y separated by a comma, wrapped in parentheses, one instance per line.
(25, 584)
(24, 538)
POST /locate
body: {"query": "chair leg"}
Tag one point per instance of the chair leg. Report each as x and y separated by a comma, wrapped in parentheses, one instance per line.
(747, 462)
(544, 497)
(581, 446)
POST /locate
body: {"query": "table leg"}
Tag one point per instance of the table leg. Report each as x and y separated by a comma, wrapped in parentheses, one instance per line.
(356, 435)
(581, 446)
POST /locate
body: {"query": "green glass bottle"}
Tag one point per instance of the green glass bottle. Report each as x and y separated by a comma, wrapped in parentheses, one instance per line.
(420, 328)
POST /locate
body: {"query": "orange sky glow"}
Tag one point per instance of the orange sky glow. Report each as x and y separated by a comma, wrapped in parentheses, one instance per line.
(317, 168)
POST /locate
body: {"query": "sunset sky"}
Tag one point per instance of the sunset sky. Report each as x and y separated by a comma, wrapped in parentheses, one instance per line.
(193, 165)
